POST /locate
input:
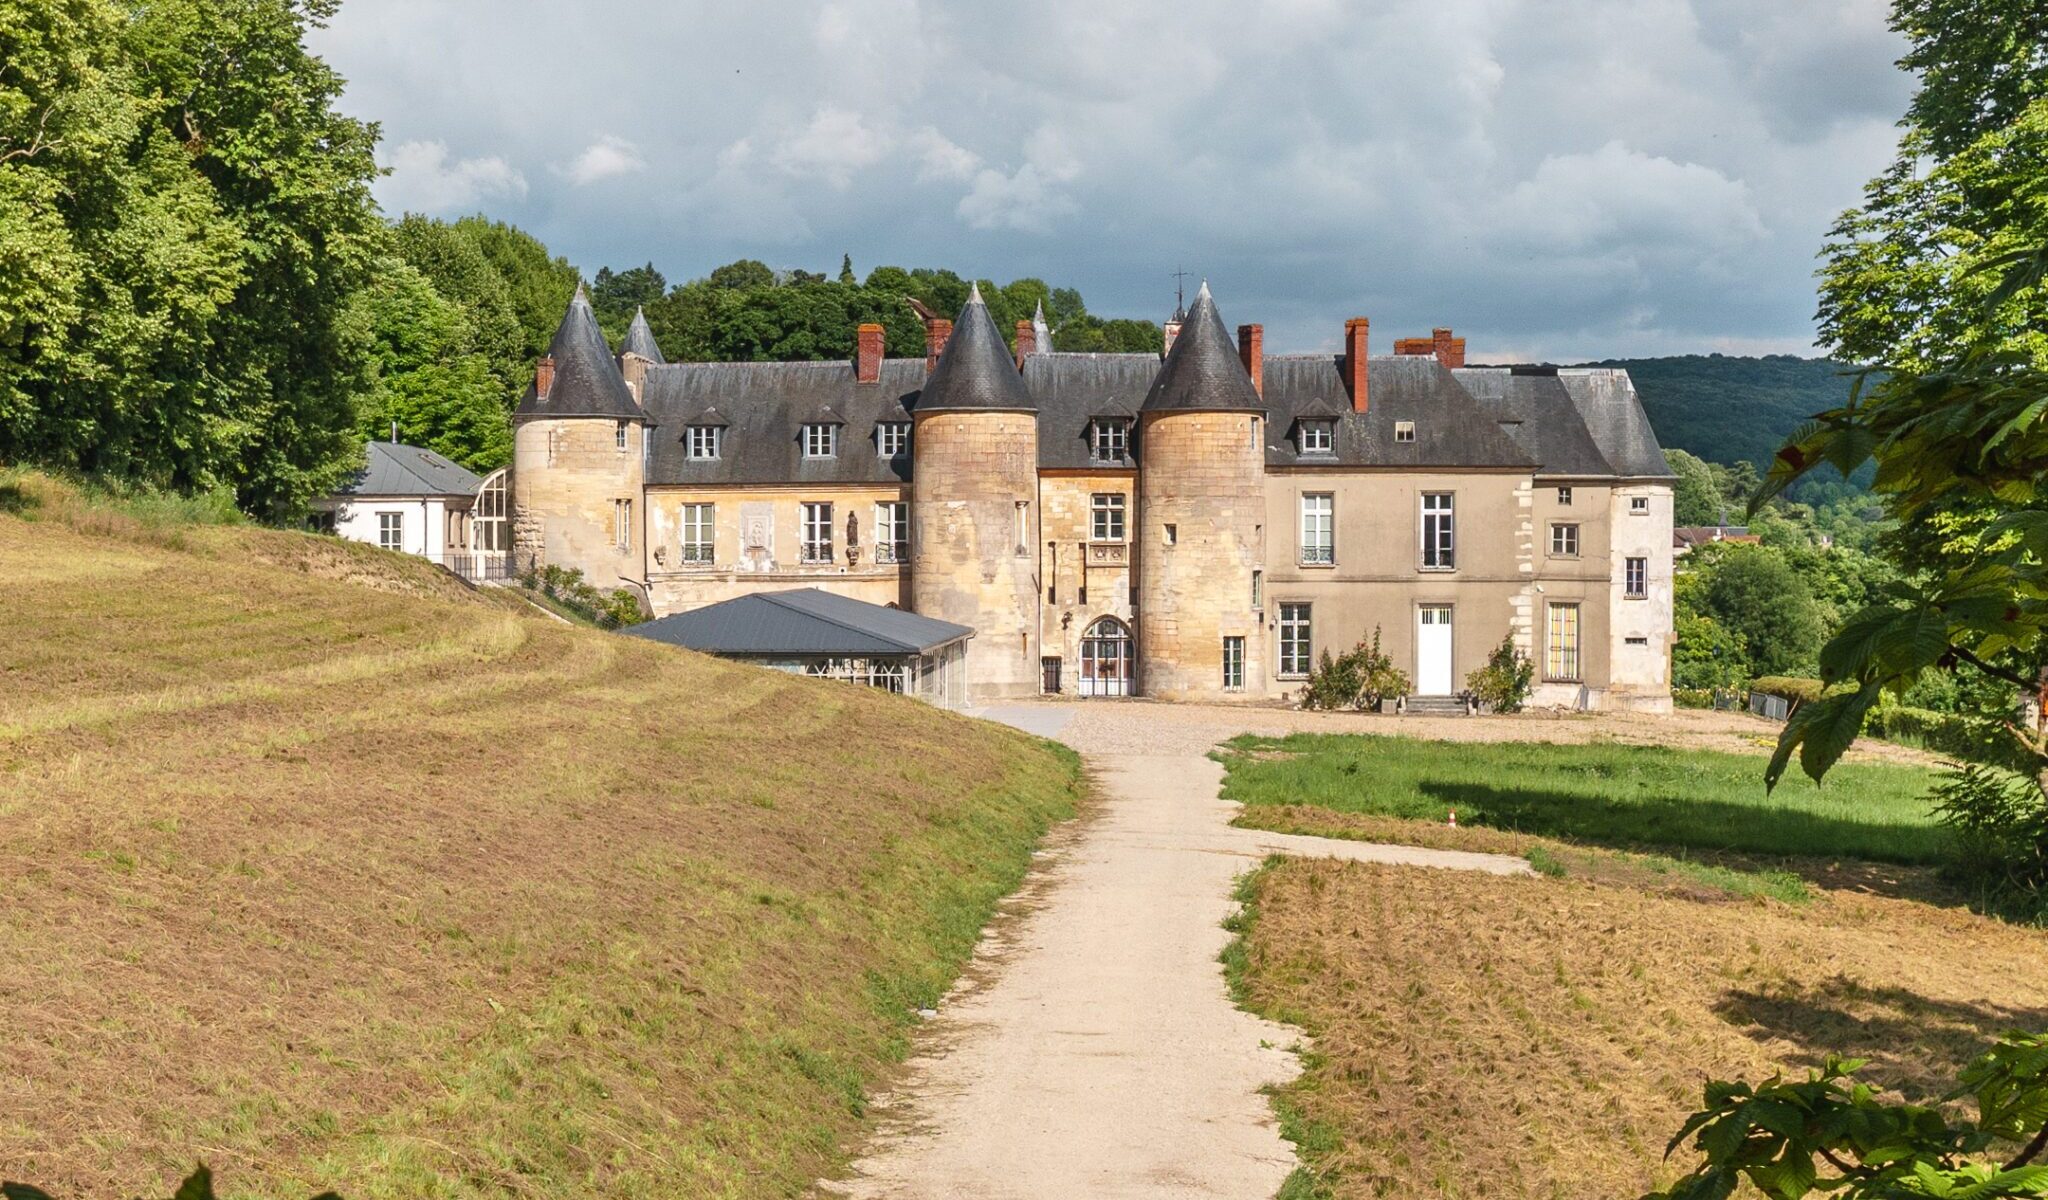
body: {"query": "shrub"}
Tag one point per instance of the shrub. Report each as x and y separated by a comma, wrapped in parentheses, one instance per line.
(566, 587)
(1361, 678)
(1971, 739)
(2000, 821)
(1798, 691)
(1506, 680)
(1685, 697)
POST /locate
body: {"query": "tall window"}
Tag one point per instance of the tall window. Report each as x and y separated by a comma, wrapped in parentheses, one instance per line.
(1109, 439)
(821, 440)
(1294, 639)
(1317, 437)
(1258, 589)
(1106, 517)
(892, 531)
(490, 530)
(1233, 664)
(704, 442)
(1636, 578)
(1439, 537)
(391, 531)
(1564, 541)
(699, 520)
(892, 438)
(619, 436)
(817, 522)
(622, 524)
(1318, 528)
(1562, 660)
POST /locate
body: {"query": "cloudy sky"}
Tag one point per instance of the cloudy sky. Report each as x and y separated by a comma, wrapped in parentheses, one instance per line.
(1556, 179)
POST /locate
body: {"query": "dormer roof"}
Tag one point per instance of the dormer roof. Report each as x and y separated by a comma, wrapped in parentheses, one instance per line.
(975, 372)
(587, 381)
(1202, 373)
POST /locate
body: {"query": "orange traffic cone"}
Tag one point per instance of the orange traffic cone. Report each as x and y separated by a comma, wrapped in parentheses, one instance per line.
(1454, 818)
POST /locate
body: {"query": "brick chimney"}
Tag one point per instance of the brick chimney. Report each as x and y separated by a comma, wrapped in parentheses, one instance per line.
(1251, 348)
(1171, 332)
(1027, 342)
(867, 354)
(544, 377)
(1355, 356)
(1449, 351)
(936, 333)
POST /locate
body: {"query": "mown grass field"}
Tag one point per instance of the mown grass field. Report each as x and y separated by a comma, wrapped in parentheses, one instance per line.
(324, 869)
(1602, 794)
(1543, 1037)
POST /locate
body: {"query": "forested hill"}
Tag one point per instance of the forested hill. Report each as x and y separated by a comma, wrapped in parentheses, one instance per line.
(1729, 410)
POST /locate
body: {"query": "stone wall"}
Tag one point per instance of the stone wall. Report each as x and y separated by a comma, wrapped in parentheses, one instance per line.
(1085, 580)
(566, 478)
(1202, 513)
(974, 522)
(758, 545)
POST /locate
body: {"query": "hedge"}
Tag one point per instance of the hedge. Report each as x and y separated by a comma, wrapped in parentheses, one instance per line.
(1972, 739)
(1798, 691)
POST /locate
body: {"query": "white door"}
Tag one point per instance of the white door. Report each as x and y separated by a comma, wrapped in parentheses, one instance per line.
(1433, 650)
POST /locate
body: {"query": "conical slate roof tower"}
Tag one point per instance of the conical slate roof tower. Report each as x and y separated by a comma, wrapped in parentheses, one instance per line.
(579, 377)
(1203, 372)
(975, 372)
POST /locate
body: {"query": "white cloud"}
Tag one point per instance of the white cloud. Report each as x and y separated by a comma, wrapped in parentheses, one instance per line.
(422, 179)
(835, 146)
(1614, 195)
(605, 158)
(939, 158)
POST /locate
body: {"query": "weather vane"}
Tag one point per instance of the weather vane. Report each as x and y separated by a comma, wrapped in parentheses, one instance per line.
(1180, 288)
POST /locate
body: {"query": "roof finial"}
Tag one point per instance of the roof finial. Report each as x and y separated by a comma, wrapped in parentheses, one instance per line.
(1038, 313)
(1204, 293)
(974, 293)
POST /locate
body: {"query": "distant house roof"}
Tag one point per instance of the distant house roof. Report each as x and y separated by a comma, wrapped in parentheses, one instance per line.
(802, 622)
(398, 470)
(1688, 536)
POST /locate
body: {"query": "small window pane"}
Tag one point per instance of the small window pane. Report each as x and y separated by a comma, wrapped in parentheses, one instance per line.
(821, 441)
(1295, 641)
(1564, 496)
(1110, 440)
(1318, 528)
(698, 538)
(391, 531)
(1233, 664)
(1637, 578)
(704, 442)
(1439, 534)
(1316, 437)
(892, 438)
(892, 532)
(1562, 661)
(817, 531)
(1106, 517)
(1564, 541)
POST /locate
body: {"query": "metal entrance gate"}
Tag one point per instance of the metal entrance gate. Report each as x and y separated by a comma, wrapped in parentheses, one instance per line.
(1107, 661)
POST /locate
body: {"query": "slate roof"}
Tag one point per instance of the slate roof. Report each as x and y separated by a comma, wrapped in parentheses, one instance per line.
(640, 339)
(1576, 422)
(764, 407)
(394, 469)
(1202, 373)
(806, 621)
(587, 379)
(1073, 390)
(975, 371)
(1451, 429)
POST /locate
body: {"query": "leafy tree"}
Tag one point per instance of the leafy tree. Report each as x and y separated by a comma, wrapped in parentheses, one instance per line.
(537, 284)
(616, 295)
(1832, 1135)
(427, 376)
(458, 269)
(1704, 655)
(1755, 595)
(745, 274)
(846, 269)
(1696, 498)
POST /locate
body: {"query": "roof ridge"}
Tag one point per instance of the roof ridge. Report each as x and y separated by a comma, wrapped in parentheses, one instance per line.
(776, 598)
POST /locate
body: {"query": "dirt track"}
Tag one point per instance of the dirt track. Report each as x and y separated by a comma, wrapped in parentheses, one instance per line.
(1093, 1051)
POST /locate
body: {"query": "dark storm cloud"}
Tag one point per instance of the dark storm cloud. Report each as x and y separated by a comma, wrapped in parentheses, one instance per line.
(1556, 178)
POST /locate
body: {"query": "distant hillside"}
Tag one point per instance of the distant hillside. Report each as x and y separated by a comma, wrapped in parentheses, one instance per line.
(1727, 409)
(334, 873)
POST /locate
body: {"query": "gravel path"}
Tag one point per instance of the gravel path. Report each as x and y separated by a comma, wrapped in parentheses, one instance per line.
(1092, 1050)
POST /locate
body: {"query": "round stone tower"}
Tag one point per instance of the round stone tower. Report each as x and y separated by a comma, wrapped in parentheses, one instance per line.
(1201, 515)
(974, 501)
(579, 455)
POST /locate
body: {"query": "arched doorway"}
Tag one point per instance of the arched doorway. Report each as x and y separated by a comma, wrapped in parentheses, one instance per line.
(1108, 660)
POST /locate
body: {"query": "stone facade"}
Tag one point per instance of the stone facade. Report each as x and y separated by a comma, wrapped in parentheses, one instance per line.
(1201, 536)
(1082, 522)
(974, 516)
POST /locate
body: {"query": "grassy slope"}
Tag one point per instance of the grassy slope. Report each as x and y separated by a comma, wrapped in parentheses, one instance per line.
(394, 889)
(1604, 794)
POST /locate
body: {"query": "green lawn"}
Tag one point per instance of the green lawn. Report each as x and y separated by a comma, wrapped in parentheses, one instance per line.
(1608, 795)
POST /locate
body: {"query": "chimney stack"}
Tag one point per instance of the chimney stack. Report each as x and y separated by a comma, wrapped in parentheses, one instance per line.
(544, 376)
(1027, 342)
(1251, 347)
(1355, 356)
(1449, 351)
(936, 333)
(1172, 334)
(867, 354)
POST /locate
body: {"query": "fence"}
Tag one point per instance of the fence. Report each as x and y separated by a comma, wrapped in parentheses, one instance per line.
(477, 566)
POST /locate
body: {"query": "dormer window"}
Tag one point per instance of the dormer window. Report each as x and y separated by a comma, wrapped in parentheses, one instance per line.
(892, 439)
(821, 440)
(1316, 437)
(1109, 439)
(1404, 431)
(704, 442)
